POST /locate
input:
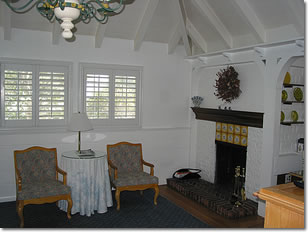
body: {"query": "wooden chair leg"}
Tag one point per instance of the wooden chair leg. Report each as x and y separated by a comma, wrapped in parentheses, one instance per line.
(156, 194)
(117, 196)
(69, 207)
(20, 211)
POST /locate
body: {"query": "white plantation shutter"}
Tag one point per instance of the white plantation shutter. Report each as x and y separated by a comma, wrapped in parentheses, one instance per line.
(125, 97)
(33, 94)
(111, 94)
(51, 95)
(97, 94)
(17, 97)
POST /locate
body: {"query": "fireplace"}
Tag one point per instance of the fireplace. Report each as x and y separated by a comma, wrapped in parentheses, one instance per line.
(228, 157)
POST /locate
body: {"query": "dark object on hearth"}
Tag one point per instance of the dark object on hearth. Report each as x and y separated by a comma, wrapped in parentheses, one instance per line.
(187, 173)
(299, 183)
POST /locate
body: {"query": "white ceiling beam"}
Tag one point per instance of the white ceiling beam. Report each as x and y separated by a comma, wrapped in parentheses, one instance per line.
(6, 21)
(144, 23)
(196, 37)
(56, 32)
(174, 40)
(100, 34)
(208, 11)
(179, 11)
(252, 19)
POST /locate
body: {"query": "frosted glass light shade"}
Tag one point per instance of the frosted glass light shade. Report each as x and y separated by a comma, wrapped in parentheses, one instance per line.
(80, 122)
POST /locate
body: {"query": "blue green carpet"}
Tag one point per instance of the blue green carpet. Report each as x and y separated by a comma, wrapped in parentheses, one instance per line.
(136, 211)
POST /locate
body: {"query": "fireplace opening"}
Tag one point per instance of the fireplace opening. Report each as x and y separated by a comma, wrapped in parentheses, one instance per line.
(228, 157)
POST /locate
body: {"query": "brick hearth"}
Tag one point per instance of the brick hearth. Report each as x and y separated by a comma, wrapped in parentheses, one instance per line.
(215, 197)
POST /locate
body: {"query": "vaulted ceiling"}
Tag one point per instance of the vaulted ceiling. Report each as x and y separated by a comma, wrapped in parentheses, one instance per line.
(202, 26)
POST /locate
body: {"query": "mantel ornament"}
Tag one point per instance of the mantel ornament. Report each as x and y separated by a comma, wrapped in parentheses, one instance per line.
(227, 85)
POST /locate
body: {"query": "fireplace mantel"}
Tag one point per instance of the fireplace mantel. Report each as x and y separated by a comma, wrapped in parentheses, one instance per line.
(253, 119)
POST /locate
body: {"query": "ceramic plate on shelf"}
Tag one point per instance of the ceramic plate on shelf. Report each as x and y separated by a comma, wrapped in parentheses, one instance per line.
(287, 78)
(298, 94)
(294, 116)
(284, 95)
(282, 116)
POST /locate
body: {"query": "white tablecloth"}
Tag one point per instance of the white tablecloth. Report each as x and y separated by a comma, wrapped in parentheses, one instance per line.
(90, 185)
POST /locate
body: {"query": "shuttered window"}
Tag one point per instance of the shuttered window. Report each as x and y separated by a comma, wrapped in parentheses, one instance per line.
(111, 94)
(51, 95)
(97, 96)
(33, 94)
(125, 97)
(17, 94)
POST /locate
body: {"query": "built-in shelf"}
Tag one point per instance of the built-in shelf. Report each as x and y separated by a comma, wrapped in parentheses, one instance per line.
(290, 123)
(245, 118)
(291, 85)
(291, 102)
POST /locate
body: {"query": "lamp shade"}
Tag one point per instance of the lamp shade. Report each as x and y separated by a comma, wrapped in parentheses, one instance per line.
(80, 122)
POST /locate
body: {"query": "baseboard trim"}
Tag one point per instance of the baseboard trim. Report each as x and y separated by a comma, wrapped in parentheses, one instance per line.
(7, 199)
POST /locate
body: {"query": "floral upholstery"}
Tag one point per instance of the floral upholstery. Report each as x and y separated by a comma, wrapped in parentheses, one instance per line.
(36, 166)
(47, 188)
(134, 178)
(126, 158)
(126, 170)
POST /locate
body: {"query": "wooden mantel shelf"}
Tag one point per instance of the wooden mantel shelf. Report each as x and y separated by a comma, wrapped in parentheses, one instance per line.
(253, 119)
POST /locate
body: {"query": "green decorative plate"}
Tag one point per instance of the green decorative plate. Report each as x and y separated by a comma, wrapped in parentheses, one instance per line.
(284, 95)
(282, 117)
(287, 78)
(298, 94)
(294, 116)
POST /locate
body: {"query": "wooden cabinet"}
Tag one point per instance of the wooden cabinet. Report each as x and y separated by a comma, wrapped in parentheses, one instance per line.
(284, 206)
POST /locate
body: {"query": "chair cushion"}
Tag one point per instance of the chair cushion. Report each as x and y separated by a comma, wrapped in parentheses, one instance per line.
(42, 189)
(134, 178)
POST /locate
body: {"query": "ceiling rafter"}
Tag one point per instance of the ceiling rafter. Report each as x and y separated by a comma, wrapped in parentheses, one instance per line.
(174, 40)
(252, 19)
(100, 34)
(144, 23)
(56, 32)
(196, 37)
(208, 11)
(6, 21)
(180, 12)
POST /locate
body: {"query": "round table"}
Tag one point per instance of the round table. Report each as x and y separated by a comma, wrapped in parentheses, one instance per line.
(88, 177)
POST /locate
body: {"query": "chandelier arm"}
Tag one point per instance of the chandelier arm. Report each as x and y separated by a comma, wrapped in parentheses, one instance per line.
(21, 9)
(109, 9)
(53, 2)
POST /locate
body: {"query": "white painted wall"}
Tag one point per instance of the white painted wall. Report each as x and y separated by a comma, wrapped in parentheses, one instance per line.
(164, 133)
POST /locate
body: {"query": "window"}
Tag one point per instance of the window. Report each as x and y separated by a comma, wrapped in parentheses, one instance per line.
(111, 94)
(33, 94)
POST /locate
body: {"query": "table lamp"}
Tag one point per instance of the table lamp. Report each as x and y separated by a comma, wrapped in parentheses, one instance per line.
(79, 122)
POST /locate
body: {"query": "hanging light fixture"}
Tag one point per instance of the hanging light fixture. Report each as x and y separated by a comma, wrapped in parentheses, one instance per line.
(66, 11)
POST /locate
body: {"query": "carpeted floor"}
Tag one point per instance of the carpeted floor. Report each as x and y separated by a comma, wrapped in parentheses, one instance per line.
(136, 212)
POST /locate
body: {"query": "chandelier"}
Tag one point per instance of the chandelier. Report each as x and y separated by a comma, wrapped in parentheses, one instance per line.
(66, 11)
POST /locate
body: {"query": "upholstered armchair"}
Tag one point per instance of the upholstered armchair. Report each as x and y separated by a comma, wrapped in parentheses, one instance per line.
(36, 173)
(126, 170)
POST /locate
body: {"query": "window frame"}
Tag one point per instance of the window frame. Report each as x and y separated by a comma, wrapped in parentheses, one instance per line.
(35, 123)
(113, 69)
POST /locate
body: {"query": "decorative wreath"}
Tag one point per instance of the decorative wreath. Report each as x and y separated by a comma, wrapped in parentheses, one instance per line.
(227, 85)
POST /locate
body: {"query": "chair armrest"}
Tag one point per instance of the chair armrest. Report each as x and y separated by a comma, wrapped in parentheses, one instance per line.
(149, 165)
(63, 173)
(111, 165)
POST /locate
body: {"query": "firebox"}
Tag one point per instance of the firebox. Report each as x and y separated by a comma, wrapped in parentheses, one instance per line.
(228, 157)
